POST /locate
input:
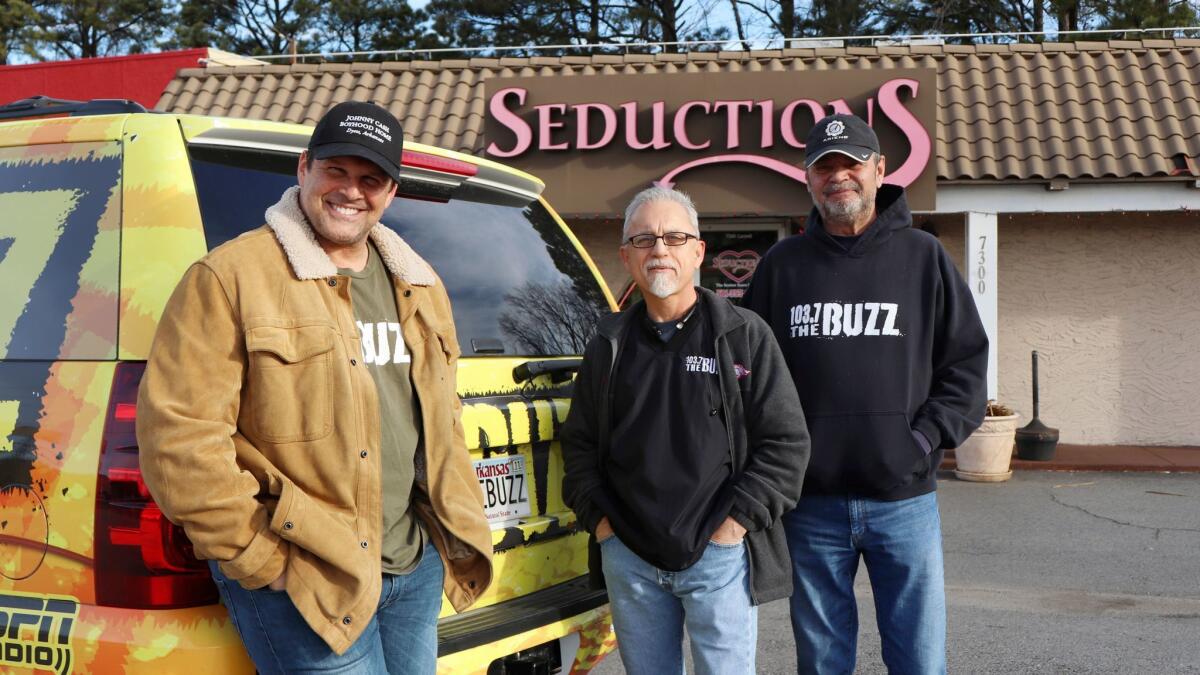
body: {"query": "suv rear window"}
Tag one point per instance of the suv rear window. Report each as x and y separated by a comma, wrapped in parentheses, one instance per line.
(516, 282)
(58, 250)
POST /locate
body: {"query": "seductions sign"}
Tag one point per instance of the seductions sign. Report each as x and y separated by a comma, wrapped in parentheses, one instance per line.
(733, 140)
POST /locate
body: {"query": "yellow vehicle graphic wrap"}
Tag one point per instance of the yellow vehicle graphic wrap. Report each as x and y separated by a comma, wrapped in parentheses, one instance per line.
(160, 228)
(517, 428)
(35, 631)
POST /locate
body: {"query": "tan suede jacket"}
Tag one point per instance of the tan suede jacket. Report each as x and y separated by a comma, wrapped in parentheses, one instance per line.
(259, 429)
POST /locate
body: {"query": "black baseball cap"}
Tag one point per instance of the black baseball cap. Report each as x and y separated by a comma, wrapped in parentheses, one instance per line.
(361, 130)
(844, 134)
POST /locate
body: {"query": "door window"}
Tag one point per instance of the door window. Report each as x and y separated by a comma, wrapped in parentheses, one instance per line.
(731, 255)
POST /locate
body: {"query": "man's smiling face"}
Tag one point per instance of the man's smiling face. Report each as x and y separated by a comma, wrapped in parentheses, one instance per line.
(343, 197)
(843, 189)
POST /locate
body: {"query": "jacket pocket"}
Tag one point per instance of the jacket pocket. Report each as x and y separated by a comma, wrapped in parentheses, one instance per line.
(866, 454)
(290, 386)
(325, 532)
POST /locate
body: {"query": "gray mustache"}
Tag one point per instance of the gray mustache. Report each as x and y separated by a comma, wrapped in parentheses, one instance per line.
(848, 185)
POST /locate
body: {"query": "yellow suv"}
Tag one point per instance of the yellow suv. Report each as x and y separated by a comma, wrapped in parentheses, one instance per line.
(100, 214)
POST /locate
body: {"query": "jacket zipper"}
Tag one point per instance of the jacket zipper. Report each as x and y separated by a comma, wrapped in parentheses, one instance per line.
(729, 434)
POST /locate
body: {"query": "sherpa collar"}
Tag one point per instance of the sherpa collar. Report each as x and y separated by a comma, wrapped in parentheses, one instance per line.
(309, 260)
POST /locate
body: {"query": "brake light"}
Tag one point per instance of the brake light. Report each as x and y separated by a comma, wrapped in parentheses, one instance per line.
(423, 160)
(143, 560)
(125, 412)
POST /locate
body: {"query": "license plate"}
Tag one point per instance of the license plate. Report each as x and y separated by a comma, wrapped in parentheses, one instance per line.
(505, 488)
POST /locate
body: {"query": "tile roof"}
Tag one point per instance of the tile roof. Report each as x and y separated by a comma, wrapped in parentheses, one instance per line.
(1117, 109)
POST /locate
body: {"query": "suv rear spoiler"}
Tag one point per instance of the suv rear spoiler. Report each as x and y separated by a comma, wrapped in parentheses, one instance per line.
(427, 170)
(43, 106)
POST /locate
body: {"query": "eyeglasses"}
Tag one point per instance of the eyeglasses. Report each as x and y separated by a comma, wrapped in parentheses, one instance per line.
(669, 238)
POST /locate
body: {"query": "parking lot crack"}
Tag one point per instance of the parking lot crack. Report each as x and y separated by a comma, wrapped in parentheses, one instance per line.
(1156, 530)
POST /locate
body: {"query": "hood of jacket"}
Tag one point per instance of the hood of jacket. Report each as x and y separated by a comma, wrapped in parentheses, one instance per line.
(891, 214)
(309, 261)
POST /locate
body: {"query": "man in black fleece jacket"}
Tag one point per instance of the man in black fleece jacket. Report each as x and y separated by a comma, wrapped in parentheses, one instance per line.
(888, 353)
(684, 445)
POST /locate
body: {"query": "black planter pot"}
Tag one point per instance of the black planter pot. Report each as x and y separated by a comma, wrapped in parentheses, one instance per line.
(1036, 441)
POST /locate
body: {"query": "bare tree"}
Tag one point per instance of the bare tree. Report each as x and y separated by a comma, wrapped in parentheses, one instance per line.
(738, 24)
(368, 25)
(483, 23)
(249, 26)
(780, 15)
(916, 17)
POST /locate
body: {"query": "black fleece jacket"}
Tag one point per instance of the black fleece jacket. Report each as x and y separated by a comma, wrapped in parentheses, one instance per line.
(882, 339)
(768, 439)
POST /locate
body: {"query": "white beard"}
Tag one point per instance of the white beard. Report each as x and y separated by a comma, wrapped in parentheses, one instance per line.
(662, 286)
(844, 212)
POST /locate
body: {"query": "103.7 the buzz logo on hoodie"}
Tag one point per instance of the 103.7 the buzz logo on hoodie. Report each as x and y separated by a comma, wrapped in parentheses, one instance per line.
(844, 319)
(700, 364)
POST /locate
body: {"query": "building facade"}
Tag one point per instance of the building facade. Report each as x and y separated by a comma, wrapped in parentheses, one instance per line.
(1063, 178)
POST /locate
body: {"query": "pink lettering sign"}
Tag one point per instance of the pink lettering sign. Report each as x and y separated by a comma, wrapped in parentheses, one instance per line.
(502, 114)
(681, 124)
(692, 126)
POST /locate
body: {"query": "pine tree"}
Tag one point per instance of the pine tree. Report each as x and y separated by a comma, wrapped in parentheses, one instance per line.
(87, 28)
(15, 18)
(1145, 14)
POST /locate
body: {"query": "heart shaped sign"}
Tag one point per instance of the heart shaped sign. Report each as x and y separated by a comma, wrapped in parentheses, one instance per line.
(737, 265)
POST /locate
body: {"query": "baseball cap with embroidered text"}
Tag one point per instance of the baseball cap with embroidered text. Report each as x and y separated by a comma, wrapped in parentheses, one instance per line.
(844, 134)
(363, 130)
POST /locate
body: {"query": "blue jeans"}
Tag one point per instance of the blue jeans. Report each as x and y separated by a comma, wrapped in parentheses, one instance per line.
(901, 543)
(651, 607)
(401, 638)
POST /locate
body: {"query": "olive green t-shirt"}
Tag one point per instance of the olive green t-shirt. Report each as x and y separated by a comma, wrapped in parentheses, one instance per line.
(387, 359)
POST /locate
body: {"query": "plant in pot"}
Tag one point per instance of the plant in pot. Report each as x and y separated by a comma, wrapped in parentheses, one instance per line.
(986, 455)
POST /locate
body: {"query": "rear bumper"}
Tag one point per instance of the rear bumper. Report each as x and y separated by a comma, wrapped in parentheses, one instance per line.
(571, 613)
(113, 640)
(108, 639)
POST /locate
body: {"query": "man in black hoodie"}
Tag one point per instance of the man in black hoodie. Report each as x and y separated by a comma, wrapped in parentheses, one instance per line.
(684, 445)
(889, 356)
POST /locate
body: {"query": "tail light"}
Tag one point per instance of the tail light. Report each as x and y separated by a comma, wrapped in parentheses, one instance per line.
(143, 560)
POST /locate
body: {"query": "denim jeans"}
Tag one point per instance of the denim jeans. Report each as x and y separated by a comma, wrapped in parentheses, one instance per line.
(401, 638)
(651, 608)
(901, 544)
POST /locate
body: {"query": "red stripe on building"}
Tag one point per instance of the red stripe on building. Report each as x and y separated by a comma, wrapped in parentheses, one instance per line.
(141, 77)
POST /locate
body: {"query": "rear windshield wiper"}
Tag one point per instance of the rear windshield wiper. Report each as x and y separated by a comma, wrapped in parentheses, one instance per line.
(559, 370)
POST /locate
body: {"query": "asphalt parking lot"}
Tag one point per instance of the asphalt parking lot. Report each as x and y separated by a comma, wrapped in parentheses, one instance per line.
(1051, 572)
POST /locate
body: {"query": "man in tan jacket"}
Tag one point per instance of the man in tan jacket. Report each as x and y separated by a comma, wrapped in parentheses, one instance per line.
(298, 417)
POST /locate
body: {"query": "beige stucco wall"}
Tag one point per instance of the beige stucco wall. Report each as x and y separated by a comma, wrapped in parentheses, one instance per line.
(1112, 304)
(1110, 301)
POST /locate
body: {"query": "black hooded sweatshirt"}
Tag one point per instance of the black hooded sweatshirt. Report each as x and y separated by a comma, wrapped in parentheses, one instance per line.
(882, 338)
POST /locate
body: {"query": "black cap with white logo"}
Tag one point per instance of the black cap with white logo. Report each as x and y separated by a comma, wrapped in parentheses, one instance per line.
(844, 134)
(361, 130)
